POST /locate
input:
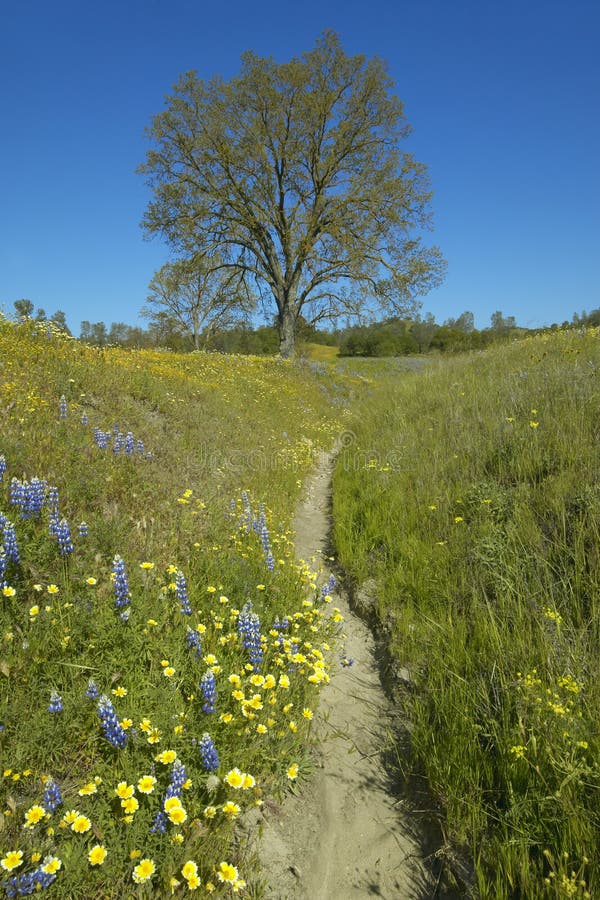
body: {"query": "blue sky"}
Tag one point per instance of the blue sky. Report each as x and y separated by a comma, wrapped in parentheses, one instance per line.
(503, 98)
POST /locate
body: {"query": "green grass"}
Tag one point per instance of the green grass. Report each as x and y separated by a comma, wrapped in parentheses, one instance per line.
(227, 442)
(470, 492)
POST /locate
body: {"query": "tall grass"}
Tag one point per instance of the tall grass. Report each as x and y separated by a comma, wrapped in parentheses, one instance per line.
(161, 648)
(470, 492)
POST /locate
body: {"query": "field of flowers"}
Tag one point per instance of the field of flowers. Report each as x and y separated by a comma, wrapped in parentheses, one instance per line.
(470, 493)
(162, 650)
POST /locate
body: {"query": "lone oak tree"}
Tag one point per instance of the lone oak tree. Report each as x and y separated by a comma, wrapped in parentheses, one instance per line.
(290, 174)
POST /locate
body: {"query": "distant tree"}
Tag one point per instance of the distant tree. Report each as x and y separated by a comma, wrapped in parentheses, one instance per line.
(60, 320)
(293, 174)
(137, 337)
(201, 299)
(118, 333)
(23, 308)
(40, 314)
(501, 324)
(423, 331)
(94, 333)
(465, 322)
(165, 331)
(584, 318)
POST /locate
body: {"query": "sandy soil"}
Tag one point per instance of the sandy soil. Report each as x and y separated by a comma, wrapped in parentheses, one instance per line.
(345, 835)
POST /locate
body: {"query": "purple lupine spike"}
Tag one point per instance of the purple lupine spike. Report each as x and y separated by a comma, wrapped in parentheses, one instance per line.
(113, 732)
(92, 691)
(63, 536)
(9, 541)
(182, 594)
(208, 686)
(178, 779)
(249, 631)
(208, 753)
(120, 583)
(56, 704)
(192, 640)
(52, 798)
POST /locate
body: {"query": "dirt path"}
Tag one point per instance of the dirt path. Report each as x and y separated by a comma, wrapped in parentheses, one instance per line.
(344, 836)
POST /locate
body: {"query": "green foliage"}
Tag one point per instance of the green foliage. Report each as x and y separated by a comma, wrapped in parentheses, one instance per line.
(470, 494)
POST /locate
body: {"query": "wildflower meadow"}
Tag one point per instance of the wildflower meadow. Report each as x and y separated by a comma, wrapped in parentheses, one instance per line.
(162, 648)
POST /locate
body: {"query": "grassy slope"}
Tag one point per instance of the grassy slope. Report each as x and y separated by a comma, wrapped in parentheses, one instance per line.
(214, 426)
(470, 491)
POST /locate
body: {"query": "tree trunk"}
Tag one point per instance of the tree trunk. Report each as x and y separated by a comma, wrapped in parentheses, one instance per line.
(286, 325)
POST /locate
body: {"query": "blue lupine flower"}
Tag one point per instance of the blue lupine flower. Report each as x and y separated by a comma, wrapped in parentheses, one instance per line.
(52, 499)
(29, 882)
(101, 438)
(63, 536)
(329, 587)
(37, 495)
(84, 419)
(140, 447)
(182, 594)
(208, 752)
(3, 567)
(266, 543)
(120, 583)
(52, 796)
(119, 442)
(83, 529)
(9, 541)
(248, 517)
(2, 466)
(258, 524)
(62, 407)
(208, 686)
(16, 492)
(56, 704)
(129, 444)
(159, 824)
(54, 524)
(192, 639)
(110, 723)
(28, 496)
(249, 631)
(92, 691)
(177, 780)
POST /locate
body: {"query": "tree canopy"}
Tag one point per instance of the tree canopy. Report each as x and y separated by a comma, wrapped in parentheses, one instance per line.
(291, 176)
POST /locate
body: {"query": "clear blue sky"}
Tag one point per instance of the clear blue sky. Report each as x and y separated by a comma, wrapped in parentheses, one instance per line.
(504, 99)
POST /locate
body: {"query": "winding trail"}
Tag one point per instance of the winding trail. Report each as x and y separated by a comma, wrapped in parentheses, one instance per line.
(345, 835)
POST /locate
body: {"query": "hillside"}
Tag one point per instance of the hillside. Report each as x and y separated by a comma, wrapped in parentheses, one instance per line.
(153, 611)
